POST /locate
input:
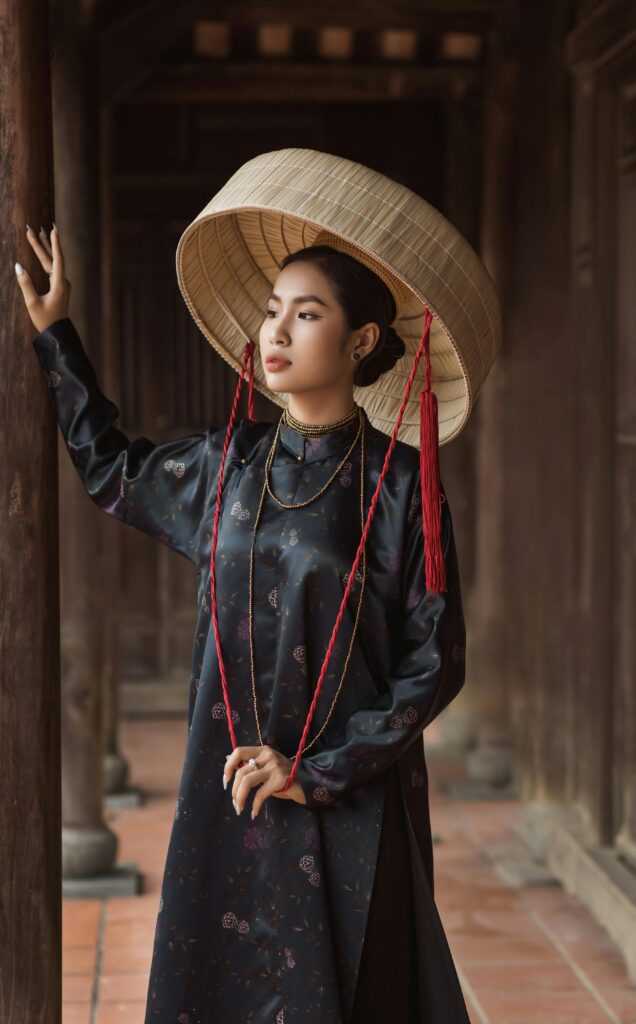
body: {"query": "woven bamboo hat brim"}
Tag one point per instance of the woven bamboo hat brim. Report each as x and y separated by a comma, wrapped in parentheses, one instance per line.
(228, 258)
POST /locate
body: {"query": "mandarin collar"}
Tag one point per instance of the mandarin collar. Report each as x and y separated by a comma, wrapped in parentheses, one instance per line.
(311, 449)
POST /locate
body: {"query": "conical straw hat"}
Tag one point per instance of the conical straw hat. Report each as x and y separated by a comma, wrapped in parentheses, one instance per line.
(228, 258)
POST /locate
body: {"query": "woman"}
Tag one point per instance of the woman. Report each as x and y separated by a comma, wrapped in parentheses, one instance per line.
(319, 907)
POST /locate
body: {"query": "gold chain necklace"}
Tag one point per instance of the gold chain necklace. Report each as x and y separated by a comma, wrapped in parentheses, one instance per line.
(270, 459)
(265, 490)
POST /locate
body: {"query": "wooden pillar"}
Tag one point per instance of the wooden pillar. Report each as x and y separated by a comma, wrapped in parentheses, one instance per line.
(30, 946)
(491, 761)
(462, 202)
(541, 451)
(115, 766)
(88, 846)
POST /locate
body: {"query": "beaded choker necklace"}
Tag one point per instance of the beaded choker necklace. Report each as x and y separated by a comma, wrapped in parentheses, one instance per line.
(313, 429)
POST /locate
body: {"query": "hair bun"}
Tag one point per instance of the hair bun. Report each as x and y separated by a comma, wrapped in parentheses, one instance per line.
(394, 343)
(382, 358)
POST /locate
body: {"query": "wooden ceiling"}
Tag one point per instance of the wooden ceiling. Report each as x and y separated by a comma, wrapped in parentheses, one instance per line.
(141, 40)
(470, 13)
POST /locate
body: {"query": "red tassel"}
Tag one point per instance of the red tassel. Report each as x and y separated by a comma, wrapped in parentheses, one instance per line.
(430, 481)
(249, 350)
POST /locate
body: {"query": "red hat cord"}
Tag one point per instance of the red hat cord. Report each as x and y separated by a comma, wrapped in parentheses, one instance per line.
(435, 571)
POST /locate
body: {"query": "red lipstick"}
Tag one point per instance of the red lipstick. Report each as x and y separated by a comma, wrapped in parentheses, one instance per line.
(276, 363)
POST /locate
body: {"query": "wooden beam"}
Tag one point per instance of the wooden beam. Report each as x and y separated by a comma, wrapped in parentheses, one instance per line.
(429, 17)
(281, 81)
(30, 800)
(111, 15)
(131, 48)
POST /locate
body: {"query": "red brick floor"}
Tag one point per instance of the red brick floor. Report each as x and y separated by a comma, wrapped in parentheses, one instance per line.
(524, 956)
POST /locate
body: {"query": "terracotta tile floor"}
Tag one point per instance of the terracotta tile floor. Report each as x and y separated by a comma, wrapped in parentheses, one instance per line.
(524, 956)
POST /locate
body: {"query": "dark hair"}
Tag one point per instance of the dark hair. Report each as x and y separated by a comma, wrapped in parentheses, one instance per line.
(364, 298)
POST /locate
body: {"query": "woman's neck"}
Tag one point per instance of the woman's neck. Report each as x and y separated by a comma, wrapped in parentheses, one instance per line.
(318, 410)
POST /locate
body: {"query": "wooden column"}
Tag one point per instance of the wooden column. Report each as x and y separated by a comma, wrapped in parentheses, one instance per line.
(491, 761)
(30, 947)
(462, 201)
(623, 752)
(89, 846)
(541, 452)
(115, 766)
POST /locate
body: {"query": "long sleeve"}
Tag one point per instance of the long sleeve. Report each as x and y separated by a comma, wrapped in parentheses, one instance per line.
(157, 488)
(429, 673)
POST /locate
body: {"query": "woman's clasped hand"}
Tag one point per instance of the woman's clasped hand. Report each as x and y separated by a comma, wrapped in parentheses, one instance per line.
(269, 774)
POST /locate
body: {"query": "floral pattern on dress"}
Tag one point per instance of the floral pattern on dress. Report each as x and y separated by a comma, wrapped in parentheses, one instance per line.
(218, 711)
(171, 466)
(408, 717)
(257, 838)
(358, 578)
(230, 920)
(239, 512)
(235, 904)
(322, 795)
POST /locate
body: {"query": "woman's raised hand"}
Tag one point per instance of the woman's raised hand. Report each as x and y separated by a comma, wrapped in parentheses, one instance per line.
(44, 310)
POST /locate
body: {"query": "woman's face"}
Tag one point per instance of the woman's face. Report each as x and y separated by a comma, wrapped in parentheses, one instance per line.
(305, 324)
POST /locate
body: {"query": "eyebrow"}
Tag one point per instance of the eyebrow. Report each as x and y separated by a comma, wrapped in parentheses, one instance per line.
(302, 298)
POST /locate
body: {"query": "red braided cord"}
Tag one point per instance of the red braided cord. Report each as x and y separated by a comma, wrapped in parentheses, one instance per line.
(250, 381)
(248, 352)
(345, 597)
(247, 359)
(435, 568)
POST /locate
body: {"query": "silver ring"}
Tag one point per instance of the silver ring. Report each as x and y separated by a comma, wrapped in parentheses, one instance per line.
(252, 762)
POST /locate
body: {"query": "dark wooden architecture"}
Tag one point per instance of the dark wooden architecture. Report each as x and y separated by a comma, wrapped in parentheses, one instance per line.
(30, 800)
(519, 122)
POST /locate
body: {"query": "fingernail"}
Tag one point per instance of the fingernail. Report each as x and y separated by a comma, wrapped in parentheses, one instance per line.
(42, 231)
(236, 807)
(19, 269)
(29, 228)
(224, 781)
(252, 815)
(54, 226)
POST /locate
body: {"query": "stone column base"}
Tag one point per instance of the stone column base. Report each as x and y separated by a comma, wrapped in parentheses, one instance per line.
(87, 852)
(114, 773)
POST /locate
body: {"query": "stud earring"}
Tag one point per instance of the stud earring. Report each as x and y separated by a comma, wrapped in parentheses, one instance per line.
(356, 355)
